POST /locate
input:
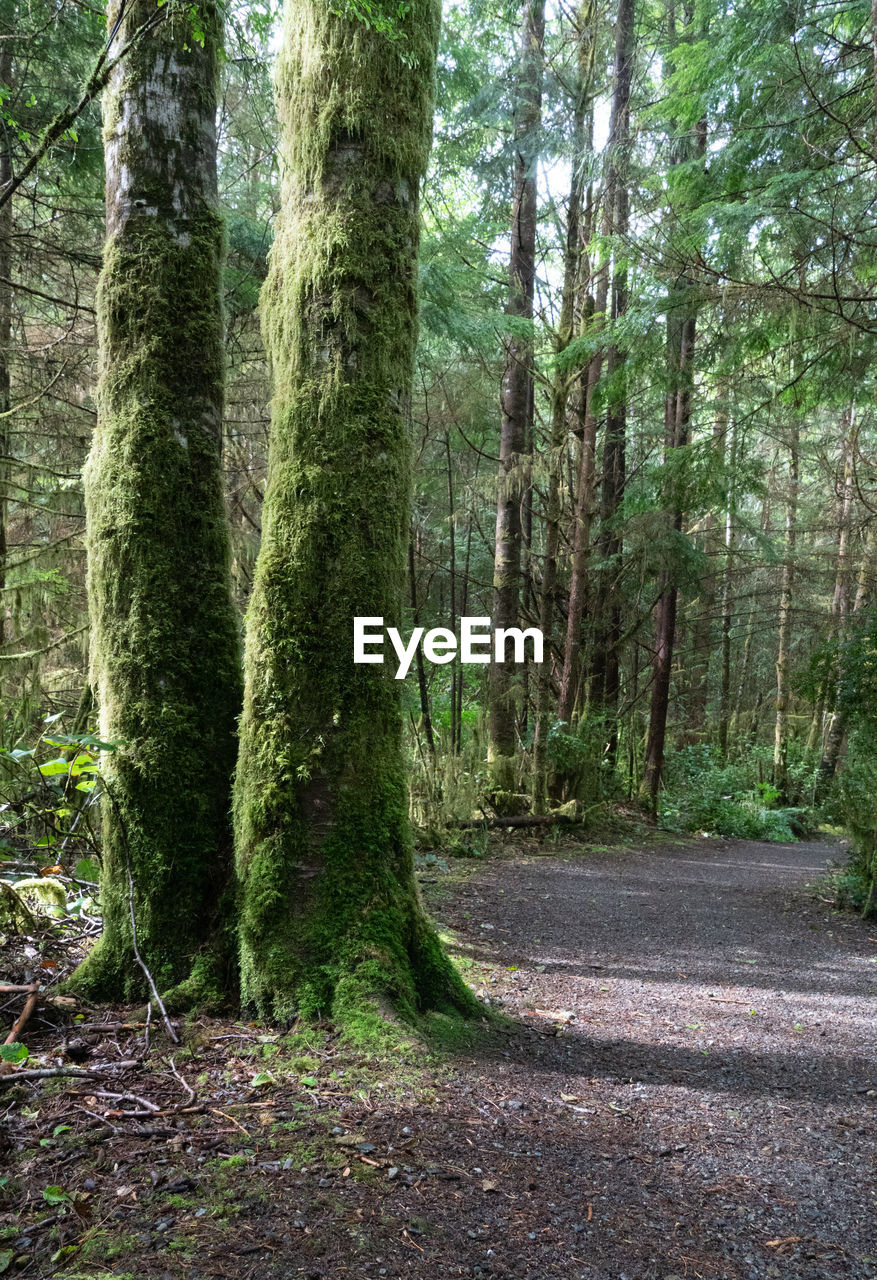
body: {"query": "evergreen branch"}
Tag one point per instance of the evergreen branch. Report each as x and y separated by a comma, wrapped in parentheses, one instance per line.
(58, 126)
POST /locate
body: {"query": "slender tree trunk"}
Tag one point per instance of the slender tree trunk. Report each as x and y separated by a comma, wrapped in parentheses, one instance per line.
(837, 724)
(464, 600)
(164, 648)
(784, 639)
(727, 617)
(452, 588)
(557, 450)
(840, 599)
(680, 348)
(5, 334)
(418, 657)
(606, 665)
(681, 329)
(330, 917)
(517, 394)
(743, 676)
(702, 640)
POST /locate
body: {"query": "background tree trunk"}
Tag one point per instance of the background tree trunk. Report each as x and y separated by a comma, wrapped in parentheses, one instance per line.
(606, 669)
(5, 332)
(330, 916)
(784, 639)
(165, 659)
(517, 394)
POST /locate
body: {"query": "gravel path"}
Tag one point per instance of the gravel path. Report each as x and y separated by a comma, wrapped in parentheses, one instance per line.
(684, 1089)
(706, 1100)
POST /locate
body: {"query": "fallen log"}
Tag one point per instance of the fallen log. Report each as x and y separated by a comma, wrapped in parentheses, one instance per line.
(519, 820)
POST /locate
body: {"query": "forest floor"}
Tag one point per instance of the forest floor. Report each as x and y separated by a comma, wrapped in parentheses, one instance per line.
(684, 1087)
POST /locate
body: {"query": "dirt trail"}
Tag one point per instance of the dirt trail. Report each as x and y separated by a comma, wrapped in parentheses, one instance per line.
(685, 1088)
(719, 1064)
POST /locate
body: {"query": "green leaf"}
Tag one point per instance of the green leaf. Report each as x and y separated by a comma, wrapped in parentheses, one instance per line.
(6, 1256)
(262, 1077)
(60, 1128)
(14, 1053)
(53, 767)
(310, 1082)
(87, 869)
(56, 1195)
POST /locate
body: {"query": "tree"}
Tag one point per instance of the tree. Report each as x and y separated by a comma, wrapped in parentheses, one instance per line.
(330, 916)
(164, 647)
(517, 390)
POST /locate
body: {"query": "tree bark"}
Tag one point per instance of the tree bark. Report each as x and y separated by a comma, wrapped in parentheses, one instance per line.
(5, 334)
(840, 598)
(680, 350)
(330, 918)
(728, 539)
(606, 663)
(456, 668)
(681, 330)
(164, 648)
(425, 715)
(557, 449)
(702, 641)
(837, 724)
(784, 639)
(517, 394)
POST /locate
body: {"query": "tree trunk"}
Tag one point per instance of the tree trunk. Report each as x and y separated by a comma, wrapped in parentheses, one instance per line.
(418, 657)
(725, 687)
(837, 724)
(681, 329)
(517, 395)
(840, 599)
(680, 349)
(702, 640)
(606, 665)
(557, 450)
(456, 668)
(330, 918)
(784, 642)
(5, 333)
(164, 641)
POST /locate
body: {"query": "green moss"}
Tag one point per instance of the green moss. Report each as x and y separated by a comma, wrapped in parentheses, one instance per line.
(330, 918)
(165, 652)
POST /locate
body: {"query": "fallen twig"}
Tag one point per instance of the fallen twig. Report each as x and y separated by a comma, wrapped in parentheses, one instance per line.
(48, 1073)
(189, 1090)
(29, 1005)
(520, 820)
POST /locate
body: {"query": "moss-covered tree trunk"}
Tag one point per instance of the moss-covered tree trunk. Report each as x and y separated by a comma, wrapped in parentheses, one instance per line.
(330, 917)
(164, 646)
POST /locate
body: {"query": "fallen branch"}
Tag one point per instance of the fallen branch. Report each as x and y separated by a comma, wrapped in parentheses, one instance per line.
(48, 1073)
(24, 1017)
(189, 1090)
(519, 820)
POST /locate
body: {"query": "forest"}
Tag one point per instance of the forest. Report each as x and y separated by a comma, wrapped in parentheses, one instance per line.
(438, 479)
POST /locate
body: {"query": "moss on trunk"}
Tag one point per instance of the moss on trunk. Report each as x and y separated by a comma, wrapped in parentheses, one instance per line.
(330, 916)
(165, 651)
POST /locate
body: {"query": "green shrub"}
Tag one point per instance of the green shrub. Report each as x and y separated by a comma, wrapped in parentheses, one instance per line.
(705, 793)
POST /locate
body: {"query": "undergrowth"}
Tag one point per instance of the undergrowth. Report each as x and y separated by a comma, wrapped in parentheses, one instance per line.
(734, 798)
